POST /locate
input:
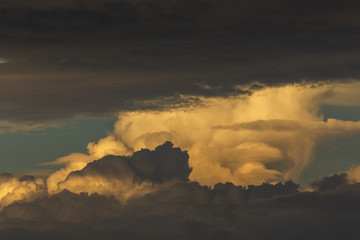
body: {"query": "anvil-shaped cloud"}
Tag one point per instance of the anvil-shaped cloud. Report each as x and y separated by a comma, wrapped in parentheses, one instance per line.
(268, 136)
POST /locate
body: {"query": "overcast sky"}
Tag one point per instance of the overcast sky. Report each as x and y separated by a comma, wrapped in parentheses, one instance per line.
(64, 59)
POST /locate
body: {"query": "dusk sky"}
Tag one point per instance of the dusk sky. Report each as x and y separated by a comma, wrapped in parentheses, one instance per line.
(179, 119)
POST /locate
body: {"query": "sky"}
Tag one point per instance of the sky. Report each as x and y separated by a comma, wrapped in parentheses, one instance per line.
(179, 119)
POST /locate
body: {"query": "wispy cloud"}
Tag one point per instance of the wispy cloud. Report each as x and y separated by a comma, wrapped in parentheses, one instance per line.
(7, 127)
(3, 60)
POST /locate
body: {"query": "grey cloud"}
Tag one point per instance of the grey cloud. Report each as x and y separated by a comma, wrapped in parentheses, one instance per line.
(98, 57)
(331, 182)
(185, 210)
(26, 178)
(64, 207)
(163, 164)
(189, 215)
(6, 176)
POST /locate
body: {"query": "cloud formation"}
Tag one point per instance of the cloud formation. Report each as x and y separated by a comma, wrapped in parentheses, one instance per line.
(8, 127)
(121, 177)
(268, 136)
(155, 50)
(354, 173)
(149, 195)
(238, 84)
(128, 177)
(26, 188)
(188, 210)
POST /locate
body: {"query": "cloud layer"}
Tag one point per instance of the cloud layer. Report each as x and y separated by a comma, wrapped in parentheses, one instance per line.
(175, 207)
(74, 58)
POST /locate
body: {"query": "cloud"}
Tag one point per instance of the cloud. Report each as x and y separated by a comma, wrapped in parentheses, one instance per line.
(331, 182)
(3, 60)
(124, 177)
(268, 136)
(64, 207)
(165, 169)
(345, 95)
(215, 78)
(8, 127)
(26, 188)
(354, 173)
(266, 125)
(188, 210)
(88, 204)
(151, 50)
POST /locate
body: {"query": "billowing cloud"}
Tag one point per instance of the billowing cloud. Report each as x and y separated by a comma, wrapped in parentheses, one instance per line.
(121, 177)
(26, 188)
(331, 182)
(236, 85)
(268, 136)
(188, 210)
(126, 177)
(354, 173)
(148, 195)
(66, 207)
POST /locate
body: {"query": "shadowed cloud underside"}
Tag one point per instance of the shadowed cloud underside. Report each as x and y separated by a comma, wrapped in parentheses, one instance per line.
(166, 204)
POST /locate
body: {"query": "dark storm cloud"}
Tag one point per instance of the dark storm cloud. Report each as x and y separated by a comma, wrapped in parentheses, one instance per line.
(68, 58)
(331, 182)
(74, 208)
(190, 211)
(162, 164)
(185, 210)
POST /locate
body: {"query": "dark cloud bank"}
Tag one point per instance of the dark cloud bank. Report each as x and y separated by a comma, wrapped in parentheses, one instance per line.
(186, 210)
(62, 59)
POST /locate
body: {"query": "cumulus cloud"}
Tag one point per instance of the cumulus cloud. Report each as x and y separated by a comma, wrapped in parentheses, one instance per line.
(64, 207)
(164, 171)
(126, 177)
(188, 210)
(354, 173)
(179, 60)
(148, 194)
(268, 136)
(331, 182)
(26, 188)
(122, 177)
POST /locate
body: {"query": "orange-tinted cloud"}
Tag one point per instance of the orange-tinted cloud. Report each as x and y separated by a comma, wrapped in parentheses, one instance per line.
(268, 136)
